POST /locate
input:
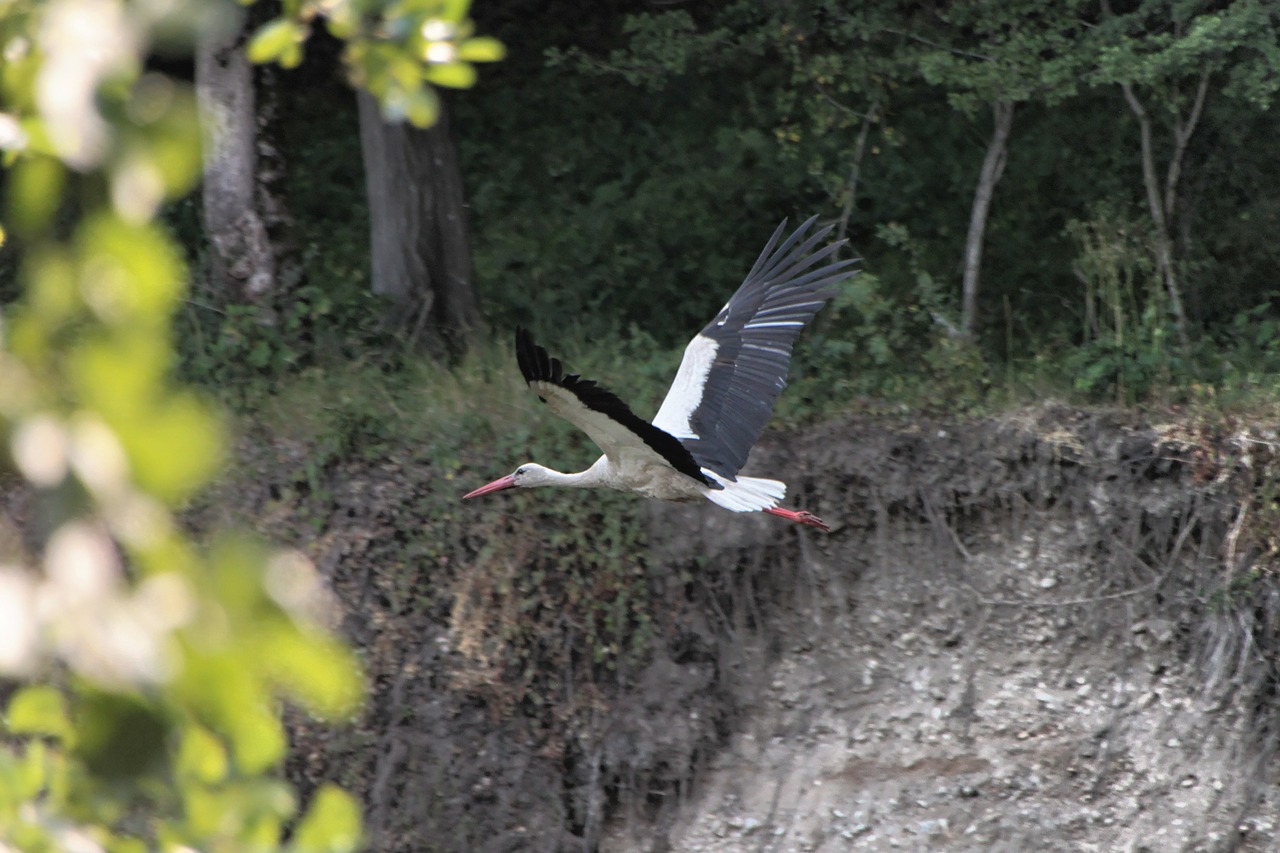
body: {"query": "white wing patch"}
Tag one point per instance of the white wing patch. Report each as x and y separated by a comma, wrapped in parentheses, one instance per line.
(617, 442)
(746, 494)
(686, 389)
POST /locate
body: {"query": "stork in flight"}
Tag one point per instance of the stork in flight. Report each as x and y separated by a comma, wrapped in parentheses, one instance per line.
(722, 395)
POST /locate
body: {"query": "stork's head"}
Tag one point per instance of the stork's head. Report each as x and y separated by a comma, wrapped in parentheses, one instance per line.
(528, 474)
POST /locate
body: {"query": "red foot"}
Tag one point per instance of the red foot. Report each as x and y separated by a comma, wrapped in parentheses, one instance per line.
(799, 517)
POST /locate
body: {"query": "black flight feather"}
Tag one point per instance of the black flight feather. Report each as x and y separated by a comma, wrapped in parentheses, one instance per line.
(754, 334)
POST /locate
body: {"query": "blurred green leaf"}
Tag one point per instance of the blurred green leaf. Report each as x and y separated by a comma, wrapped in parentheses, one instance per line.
(53, 291)
(421, 106)
(274, 41)
(131, 272)
(201, 755)
(481, 49)
(316, 669)
(35, 189)
(176, 448)
(228, 696)
(455, 75)
(117, 374)
(331, 825)
(30, 773)
(171, 143)
(38, 710)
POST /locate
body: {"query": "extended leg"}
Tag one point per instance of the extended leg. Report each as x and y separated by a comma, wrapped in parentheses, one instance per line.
(799, 517)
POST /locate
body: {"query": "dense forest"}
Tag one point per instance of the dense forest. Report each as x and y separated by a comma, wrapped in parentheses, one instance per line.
(1075, 195)
(260, 268)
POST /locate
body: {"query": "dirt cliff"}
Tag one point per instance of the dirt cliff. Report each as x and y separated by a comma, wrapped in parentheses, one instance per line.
(1055, 630)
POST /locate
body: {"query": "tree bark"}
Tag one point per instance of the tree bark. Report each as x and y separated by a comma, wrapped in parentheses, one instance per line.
(992, 169)
(419, 235)
(855, 167)
(1161, 207)
(242, 258)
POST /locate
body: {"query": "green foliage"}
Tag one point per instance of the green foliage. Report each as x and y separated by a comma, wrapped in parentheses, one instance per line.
(398, 52)
(1126, 349)
(1162, 44)
(549, 599)
(149, 672)
(979, 52)
(622, 188)
(591, 221)
(877, 340)
(230, 349)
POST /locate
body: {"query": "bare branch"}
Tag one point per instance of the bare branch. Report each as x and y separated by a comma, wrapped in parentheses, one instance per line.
(1181, 137)
(855, 169)
(935, 45)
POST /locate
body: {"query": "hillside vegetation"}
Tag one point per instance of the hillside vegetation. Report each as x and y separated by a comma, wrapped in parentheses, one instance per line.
(1059, 360)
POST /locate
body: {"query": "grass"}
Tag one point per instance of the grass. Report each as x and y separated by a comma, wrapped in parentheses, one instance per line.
(481, 407)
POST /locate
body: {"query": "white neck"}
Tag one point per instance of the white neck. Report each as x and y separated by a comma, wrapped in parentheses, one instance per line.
(595, 476)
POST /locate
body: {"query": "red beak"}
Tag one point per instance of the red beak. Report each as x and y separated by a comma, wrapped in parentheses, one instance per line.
(496, 486)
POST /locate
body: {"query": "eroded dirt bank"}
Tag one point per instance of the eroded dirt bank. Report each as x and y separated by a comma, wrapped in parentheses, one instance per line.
(1052, 631)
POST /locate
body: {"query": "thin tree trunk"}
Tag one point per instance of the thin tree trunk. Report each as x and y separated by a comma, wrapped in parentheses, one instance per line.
(992, 169)
(242, 260)
(855, 168)
(419, 235)
(1157, 205)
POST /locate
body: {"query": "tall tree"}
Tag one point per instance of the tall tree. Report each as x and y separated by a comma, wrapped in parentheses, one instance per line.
(397, 54)
(420, 238)
(1166, 57)
(846, 56)
(994, 56)
(243, 262)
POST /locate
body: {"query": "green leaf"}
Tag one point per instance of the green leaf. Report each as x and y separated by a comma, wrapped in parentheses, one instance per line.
(175, 447)
(317, 669)
(421, 107)
(35, 188)
(202, 756)
(38, 710)
(481, 49)
(453, 75)
(274, 41)
(225, 691)
(28, 776)
(131, 272)
(291, 56)
(258, 739)
(331, 825)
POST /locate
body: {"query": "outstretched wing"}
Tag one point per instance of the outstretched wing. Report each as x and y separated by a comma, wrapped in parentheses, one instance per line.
(599, 412)
(734, 369)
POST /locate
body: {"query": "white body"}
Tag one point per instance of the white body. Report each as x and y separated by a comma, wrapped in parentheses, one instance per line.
(631, 466)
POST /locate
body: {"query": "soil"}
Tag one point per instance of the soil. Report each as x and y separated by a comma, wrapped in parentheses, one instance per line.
(1050, 631)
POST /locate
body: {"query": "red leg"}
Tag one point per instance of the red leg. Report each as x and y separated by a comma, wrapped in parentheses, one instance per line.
(799, 517)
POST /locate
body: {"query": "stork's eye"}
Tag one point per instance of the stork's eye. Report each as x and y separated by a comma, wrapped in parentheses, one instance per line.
(520, 472)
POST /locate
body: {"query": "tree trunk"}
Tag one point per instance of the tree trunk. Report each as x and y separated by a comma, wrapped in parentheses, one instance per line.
(419, 236)
(242, 258)
(992, 168)
(855, 167)
(1162, 207)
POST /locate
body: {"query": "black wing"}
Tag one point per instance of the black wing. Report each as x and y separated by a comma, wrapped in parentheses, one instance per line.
(734, 369)
(599, 412)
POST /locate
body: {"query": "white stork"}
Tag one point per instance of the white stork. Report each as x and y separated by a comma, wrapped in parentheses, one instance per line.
(722, 395)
